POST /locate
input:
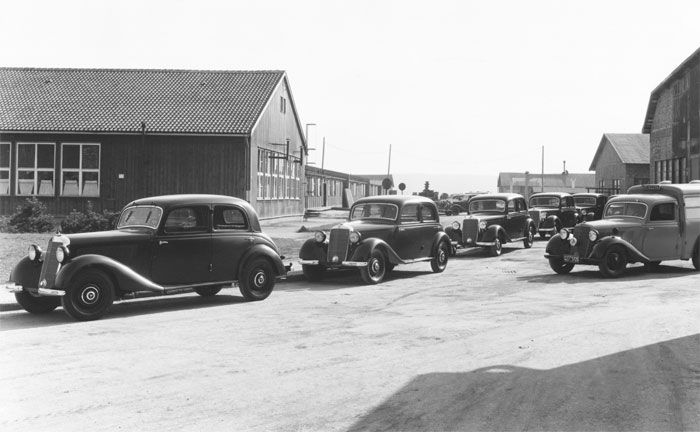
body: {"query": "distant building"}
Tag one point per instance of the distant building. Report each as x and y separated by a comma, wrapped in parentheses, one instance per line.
(621, 161)
(327, 188)
(528, 183)
(673, 122)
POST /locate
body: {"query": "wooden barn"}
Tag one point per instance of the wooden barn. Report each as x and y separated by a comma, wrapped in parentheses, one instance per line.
(108, 136)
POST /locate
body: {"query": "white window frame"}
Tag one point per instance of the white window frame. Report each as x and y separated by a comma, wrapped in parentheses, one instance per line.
(35, 169)
(80, 170)
(8, 170)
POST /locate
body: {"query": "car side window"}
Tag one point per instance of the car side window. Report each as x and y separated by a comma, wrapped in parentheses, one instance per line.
(428, 214)
(409, 213)
(229, 218)
(187, 219)
(663, 212)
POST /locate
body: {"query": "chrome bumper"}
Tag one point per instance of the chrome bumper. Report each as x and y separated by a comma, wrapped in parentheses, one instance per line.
(11, 287)
(340, 264)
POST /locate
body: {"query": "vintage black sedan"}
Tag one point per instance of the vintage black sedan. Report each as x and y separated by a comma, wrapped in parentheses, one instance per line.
(650, 224)
(590, 205)
(494, 220)
(553, 211)
(161, 245)
(381, 232)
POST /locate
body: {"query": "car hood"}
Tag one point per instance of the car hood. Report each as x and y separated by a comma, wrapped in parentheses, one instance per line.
(544, 209)
(606, 226)
(485, 217)
(369, 228)
(103, 238)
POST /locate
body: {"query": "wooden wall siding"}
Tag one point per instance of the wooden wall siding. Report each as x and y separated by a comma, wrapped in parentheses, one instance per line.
(151, 164)
(275, 127)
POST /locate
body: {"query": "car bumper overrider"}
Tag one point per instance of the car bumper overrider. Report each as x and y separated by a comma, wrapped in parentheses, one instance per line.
(340, 264)
(11, 287)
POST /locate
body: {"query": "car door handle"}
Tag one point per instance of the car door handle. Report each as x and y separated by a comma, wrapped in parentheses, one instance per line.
(162, 242)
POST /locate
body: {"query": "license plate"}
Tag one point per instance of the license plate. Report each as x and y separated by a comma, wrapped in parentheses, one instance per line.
(571, 259)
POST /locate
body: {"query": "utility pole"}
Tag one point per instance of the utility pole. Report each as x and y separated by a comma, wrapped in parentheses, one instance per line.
(542, 169)
(388, 170)
(323, 154)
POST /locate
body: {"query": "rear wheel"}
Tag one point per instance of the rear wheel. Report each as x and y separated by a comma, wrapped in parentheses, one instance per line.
(89, 296)
(496, 248)
(313, 273)
(559, 266)
(614, 262)
(258, 280)
(375, 270)
(37, 305)
(529, 238)
(207, 291)
(439, 262)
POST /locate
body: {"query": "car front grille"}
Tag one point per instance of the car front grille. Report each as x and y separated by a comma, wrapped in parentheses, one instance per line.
(338, 243)
(470, 230)
(535, 215)
(50, 266)
(583, 244)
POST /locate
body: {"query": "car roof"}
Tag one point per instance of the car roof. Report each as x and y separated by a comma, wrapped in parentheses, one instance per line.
(644, 198)
(179, 199)
(399, 200)
(503, 196)
(558, 194)
(677, 189)
(588, 194)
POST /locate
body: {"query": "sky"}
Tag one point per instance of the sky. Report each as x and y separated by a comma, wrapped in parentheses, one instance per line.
(460, 90)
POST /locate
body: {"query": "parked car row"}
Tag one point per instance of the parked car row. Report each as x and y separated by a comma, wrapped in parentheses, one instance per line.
(203, 243)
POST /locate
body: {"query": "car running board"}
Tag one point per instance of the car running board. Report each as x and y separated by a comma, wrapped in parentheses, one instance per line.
(177, 289)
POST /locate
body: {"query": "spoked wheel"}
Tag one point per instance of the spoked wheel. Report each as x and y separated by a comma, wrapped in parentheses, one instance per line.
(559, 266)
(207, 291)
(439, 262)
(375, 270)
(497, 247)
(313, 273)
(89, 296)
(529, 238)
(614, 262)
(36, 304)
(257, 280)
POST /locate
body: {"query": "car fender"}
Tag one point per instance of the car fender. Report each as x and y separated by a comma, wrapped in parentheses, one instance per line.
(26, 273)
(607, 242)
(492, 232)
(262, 250)
(365, 248)
(127, 280)
(313, 250)
(440, 237)
(556, 246)
(453, 234)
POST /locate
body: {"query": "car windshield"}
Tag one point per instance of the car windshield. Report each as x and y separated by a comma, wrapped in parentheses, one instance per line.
(140, 216)
(626, 209)
(584, 201)
(374, 211)
(544, 201)
(487, 205)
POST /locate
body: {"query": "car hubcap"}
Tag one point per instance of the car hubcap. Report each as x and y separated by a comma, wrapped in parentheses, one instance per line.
(259, 279)
(374, 266)
(442, 256)
(90, 295)
(614, 261)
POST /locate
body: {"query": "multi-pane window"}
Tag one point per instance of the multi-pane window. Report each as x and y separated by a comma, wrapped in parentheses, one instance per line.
(616, 183)
(35, 169)
(278, 178)
(5, 168)
(80, 169)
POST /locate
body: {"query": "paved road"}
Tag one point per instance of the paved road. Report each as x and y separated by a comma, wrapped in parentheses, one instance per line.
(490, 344)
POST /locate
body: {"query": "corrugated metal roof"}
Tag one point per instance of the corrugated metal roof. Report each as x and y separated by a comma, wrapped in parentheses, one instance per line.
(119, 100)
(630, 148)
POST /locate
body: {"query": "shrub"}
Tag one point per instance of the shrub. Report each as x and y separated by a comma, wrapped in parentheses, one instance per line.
(31, 217)
(88, 221)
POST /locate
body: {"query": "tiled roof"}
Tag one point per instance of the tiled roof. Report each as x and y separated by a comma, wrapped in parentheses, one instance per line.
(119, 100)
(630, 148)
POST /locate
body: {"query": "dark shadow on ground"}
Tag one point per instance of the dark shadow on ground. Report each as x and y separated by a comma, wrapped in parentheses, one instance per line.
(585, 274)
(482, 252)
(345, 278)
(652, 388)
(22, 319)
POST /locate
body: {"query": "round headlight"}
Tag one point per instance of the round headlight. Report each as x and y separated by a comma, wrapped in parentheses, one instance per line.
(583, 212)
(592, 235)
(482, 225)
(33, 252)
(320, 236)
(61, 254)
(563, 233)
(455, 225)
(573, 241)
(354, 237)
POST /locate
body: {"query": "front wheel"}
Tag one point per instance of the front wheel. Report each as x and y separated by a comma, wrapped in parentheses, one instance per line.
(496, 248)
(89, 296)
(37, 305)
(614, 262)
(258, 280)
(439, 262)
(313, 273)
(559, 266)
(375, 270)
(529, 239)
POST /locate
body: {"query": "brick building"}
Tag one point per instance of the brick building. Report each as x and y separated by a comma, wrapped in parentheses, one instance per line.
(621, 161)
(673, 122)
